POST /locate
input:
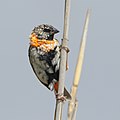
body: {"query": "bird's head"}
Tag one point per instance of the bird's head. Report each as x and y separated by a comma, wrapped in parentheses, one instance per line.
(44, 31)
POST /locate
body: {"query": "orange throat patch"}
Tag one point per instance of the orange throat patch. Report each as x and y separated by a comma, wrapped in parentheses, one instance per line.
(45, 45)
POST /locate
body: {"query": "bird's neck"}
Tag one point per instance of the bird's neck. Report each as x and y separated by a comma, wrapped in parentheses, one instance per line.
(45, 45)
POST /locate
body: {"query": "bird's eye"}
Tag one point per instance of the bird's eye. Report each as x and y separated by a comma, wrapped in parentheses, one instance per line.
(39, 34)
(46, 30)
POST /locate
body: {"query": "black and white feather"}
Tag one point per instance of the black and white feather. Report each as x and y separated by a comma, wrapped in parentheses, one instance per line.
(45, 64)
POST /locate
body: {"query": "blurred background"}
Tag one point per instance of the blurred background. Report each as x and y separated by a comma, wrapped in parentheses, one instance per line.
(22, 96)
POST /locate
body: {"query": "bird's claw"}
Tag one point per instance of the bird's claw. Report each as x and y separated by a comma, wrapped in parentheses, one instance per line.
(60, 97)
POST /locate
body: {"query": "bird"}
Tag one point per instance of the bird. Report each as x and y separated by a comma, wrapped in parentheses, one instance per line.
(44, 57)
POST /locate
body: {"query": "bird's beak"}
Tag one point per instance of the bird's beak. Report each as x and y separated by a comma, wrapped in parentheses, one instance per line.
(56, 31)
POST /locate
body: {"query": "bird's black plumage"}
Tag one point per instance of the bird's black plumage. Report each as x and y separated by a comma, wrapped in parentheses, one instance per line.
(45, 64)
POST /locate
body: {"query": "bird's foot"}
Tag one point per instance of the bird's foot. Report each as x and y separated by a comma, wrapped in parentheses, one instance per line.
(60, 97)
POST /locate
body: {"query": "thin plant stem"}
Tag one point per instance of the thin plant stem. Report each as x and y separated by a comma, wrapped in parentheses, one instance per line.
(78, 68)
(59, 103)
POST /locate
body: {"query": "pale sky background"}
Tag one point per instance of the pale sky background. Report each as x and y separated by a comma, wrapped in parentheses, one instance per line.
(22, 97)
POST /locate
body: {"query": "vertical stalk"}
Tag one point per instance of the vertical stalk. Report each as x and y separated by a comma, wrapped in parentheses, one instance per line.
(72, 103)
(59, 104)
(75, 110)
